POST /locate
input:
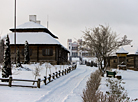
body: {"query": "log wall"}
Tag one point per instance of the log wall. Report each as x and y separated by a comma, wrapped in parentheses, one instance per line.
(58, 56)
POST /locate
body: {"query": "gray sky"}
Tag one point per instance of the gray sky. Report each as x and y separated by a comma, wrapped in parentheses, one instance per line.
(68, 18)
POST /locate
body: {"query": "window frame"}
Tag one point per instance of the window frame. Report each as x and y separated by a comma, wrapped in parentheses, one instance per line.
(47, 52)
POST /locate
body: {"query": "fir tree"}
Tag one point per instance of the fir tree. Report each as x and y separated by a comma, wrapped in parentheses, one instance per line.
(26, 53)
(6, 70)
(18, 59)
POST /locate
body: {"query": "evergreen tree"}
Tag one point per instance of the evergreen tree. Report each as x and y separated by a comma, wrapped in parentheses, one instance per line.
(6, 70)
(1, 50)
(18, 64)
(26, 53)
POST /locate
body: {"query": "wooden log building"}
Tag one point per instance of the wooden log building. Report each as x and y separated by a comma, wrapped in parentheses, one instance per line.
(122, 56)
(43, 45)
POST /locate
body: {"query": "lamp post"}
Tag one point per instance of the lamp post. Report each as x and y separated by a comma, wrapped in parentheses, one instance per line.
(15, 30)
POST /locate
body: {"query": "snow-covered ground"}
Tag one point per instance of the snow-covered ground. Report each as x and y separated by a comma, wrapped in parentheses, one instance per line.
(129, 82)
(67, 88)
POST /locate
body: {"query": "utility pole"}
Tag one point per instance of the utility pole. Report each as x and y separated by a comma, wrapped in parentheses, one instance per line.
(47, 21)
(15, 30)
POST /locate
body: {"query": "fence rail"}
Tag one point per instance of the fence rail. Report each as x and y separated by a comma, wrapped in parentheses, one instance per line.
(50, 78)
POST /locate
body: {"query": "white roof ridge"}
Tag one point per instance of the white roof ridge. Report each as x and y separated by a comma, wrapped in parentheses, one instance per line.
(122, 50)
(30, 24)
(33, 38)
(136, 51)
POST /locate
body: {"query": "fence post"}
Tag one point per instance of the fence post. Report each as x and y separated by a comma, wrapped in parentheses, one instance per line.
(49, 78)
(62, 72)
(75, 66)
(69, 69)
(38, 82)
(59, 73)
(45, 80)
(65, 71)
(53, 76)
(10, 81)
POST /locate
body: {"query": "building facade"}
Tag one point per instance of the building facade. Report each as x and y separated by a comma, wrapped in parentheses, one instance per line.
(43, 45)
(122, 57)
(73, 47)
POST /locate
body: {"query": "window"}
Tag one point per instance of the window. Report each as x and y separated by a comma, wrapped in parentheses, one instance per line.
(74, 48)
(47, 52)
(74, 54)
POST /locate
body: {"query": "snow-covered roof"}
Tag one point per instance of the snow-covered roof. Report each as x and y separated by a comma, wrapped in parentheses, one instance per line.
(136, 52)
(122, 51)
(29, 25)
(33, 38)
(32, 25)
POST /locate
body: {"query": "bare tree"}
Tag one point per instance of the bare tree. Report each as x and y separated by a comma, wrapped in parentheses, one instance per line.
(103, 42)
(46, 66)
(36, 72)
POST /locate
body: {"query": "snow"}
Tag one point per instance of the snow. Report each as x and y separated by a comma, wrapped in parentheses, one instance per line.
(33, 38)
(122, 50)
(130, 82)
(75, 59)
(29, 25)
(136, 52)
(67, 88)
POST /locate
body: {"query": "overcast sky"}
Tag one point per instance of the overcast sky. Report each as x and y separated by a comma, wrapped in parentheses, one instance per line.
(68, 18)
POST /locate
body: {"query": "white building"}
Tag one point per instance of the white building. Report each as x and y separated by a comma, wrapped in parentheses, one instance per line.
(74, 51)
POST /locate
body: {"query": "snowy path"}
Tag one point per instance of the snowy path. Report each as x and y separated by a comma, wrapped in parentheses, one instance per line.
(67, 88)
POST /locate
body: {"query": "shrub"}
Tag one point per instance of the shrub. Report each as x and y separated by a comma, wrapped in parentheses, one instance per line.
(89, 94)
(116, 92)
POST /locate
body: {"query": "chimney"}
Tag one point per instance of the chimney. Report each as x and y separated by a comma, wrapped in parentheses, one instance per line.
(38, 22)
(32, 18)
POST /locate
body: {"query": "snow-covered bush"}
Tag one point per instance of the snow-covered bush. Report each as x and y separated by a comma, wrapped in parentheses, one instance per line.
(116, 91)
(90, 92)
